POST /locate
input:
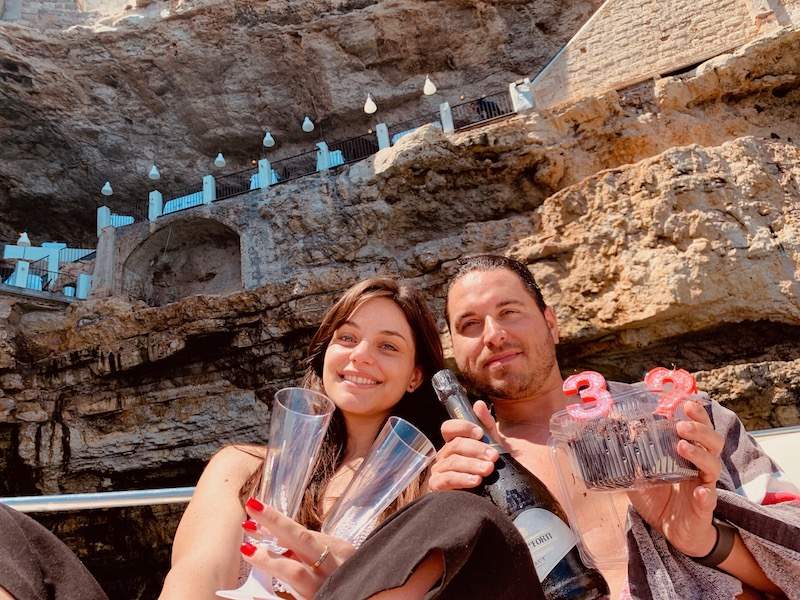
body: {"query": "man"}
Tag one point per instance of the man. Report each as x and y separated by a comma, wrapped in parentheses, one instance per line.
(504, 339)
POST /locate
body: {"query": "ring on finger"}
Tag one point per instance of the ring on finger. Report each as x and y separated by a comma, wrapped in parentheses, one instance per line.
(321, 558)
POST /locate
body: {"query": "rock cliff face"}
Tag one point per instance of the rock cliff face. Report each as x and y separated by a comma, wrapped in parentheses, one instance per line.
(661, 221)
(178, 82)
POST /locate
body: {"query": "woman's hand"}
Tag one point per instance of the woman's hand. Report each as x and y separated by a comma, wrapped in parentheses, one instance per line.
(312, 557)
(682, 512)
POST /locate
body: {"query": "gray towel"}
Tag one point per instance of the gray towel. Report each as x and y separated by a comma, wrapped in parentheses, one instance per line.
(755, 496)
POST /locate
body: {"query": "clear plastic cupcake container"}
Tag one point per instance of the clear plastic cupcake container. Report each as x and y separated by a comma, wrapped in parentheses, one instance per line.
(625, 440)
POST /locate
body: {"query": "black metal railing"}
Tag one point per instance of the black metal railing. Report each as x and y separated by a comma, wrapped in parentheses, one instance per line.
(6, 272)
(353, 149)
(39, 265)
(398, 130)
(183, 199)
(39, 277)
(296, 166)
(465, 114)
(480, 110)
(139, 210)
(142, 208)
(237, 183)
(88, 257)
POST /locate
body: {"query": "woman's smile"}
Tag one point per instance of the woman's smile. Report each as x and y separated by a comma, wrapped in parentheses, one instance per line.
(359, 379)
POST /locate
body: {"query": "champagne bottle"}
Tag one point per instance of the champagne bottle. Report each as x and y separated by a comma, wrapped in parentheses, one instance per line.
(535, 512)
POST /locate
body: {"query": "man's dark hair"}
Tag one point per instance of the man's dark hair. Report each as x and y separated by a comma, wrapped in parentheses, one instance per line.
(494, 262)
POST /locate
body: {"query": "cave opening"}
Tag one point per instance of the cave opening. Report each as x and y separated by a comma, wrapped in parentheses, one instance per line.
(188, 257)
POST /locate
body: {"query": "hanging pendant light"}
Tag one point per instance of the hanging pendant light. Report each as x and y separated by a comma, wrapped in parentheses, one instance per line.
(106, 189)
(219, 161)
(268, 140)
(308, 125)
(154, 174)
(369, 106)
(429, 88)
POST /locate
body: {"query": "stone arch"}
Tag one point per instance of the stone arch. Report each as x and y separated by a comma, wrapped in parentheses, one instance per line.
(185, 257)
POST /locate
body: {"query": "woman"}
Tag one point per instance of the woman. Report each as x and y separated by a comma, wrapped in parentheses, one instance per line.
(373, 355)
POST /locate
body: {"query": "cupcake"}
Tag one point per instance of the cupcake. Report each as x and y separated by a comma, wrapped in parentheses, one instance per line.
(624, 437)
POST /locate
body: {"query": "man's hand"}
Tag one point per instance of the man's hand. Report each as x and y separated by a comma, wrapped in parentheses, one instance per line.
(464, 460)
(682, 512)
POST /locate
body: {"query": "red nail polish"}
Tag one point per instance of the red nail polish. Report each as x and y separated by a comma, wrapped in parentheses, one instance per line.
(250, 525)
(247, 549)
(254, 504)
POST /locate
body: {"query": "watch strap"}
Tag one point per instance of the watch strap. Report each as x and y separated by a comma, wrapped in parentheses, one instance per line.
(726, 536)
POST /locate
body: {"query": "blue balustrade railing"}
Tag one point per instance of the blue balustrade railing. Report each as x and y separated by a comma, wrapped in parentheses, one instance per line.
(186, 198)
(67, 255)
(122, 220)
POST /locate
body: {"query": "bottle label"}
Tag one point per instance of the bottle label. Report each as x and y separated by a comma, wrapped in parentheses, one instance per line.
(549, 539)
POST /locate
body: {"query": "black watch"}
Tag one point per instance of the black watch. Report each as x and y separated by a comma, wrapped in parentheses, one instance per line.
(726, 535)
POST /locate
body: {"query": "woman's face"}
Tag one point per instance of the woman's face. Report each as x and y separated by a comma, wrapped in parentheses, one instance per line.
(370, 361)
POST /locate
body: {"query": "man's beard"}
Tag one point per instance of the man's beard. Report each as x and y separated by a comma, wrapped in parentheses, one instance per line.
(520, 384)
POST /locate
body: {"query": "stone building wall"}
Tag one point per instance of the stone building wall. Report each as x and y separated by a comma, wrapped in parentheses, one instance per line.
(44, 13)
(108, 7)
(629, 41)
(10, 10)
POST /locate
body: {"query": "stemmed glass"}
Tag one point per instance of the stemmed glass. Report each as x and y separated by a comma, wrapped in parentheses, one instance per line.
(300, 418)
(398, 455)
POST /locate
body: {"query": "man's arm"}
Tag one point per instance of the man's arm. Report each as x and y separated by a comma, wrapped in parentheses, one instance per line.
(743, 565)
(683, 513)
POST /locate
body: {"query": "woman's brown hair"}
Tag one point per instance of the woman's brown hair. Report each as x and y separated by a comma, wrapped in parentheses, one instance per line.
(418, 407)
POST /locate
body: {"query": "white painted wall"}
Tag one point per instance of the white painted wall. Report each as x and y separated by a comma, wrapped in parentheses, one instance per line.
(783, 446)
(105, 7)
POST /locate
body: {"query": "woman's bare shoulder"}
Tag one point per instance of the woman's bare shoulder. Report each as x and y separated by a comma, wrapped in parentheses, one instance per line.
(245, 453)
(237, 460)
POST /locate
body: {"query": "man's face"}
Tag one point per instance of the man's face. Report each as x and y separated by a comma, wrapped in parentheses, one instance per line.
(502, 342)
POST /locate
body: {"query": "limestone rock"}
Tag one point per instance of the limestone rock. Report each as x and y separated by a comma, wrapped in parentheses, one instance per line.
(764, 394)
(91, 104)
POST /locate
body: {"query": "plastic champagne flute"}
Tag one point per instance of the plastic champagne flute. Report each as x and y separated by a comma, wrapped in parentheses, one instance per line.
(300, 418)
(398, 455)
